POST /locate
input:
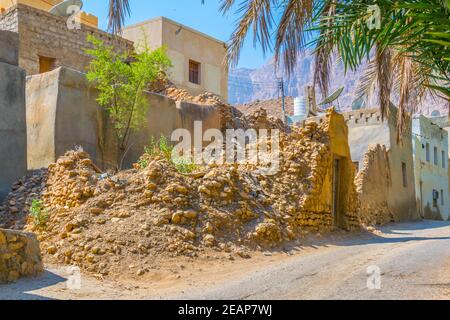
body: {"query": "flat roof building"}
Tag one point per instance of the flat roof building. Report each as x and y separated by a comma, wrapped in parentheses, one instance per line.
(197, 58)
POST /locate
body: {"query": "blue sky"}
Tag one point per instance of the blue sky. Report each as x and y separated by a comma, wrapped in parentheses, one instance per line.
(205, 18)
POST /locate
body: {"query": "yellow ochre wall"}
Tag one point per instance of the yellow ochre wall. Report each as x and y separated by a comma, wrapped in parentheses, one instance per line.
(46, 5)
(184, 44)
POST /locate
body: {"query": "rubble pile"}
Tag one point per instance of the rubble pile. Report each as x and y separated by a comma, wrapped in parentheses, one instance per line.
(110, 224)
(374, 209)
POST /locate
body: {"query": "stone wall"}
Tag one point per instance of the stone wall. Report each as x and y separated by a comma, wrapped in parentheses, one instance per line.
(47, 35)
(13, 143)
(62, 113)
(20, 255)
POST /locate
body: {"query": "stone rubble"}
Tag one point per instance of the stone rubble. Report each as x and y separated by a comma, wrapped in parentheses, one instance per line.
(20, 255)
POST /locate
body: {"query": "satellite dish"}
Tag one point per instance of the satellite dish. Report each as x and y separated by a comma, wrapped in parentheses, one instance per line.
(333, 97)
(436, 113)
(62, 9)
(358, 103)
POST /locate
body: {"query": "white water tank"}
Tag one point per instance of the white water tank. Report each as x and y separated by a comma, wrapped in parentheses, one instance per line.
(300, 107)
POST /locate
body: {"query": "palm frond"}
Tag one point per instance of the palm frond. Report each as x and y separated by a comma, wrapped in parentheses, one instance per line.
(255, 16)
(118, 10)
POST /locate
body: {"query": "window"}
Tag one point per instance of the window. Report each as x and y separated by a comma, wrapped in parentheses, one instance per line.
(405, 180)
(427, 150)
(194, 72)
(435, 155)
(443, 159)
(435, 198)
(46, 64)
(442, 197)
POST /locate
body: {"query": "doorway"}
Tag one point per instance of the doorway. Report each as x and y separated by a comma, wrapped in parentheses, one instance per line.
(337, 208)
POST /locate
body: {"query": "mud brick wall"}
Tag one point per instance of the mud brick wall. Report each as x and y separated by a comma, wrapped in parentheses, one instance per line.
(373, 184)
(47, 35)
(318, 210)
(20, 255)
(62, 113)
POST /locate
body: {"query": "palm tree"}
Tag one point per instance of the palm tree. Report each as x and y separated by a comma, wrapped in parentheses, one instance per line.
(118, 10)
(409, 53)
(409, 50)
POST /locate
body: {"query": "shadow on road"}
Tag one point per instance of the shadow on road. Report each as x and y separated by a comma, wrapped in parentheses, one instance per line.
(19, 290)
(414, 226)
(392, 233)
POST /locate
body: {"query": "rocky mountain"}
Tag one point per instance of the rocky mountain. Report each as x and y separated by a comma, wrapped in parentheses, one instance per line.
(249, 85)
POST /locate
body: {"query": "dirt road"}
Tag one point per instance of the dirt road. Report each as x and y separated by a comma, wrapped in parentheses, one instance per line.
(413, 260)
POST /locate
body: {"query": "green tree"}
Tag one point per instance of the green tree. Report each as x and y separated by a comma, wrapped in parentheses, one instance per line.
(121, 80)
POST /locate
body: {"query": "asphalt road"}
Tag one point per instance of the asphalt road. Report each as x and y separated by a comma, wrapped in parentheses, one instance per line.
(403, 261)
(412, 259)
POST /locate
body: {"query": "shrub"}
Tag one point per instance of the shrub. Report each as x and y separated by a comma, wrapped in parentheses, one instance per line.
(163, 149)
(39, 214)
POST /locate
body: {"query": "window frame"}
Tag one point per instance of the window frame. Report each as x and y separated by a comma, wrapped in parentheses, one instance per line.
(195, 74)
(435, 156)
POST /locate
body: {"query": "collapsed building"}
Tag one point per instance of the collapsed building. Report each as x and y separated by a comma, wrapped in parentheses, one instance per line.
(385, 171)
(104, 224)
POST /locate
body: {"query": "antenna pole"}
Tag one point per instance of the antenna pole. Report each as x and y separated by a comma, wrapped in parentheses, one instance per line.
(281, 87)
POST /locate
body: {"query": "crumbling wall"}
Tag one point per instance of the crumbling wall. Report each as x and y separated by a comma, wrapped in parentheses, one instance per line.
(62, 113)
(20, 255)
(366, 130)
(12, 114)
(373, 184)
(318, 209)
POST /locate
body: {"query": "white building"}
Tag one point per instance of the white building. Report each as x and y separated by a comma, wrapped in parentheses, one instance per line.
(430, 151)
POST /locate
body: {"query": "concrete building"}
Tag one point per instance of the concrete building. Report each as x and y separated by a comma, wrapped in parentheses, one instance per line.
(45, 41)
(430, 145)
(444, 123)
(196, 57)
(13, 133)
(366, 131)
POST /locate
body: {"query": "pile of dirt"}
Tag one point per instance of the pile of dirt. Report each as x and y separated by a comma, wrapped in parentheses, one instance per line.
(111, 224)
(231, 117)
(15, 209)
